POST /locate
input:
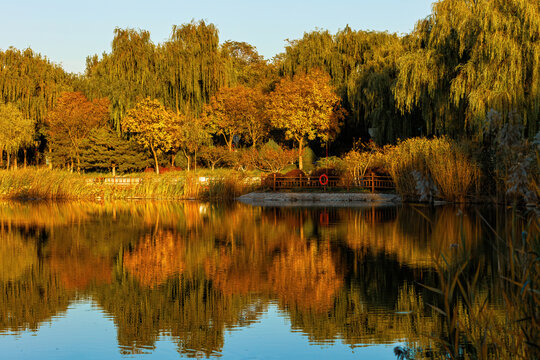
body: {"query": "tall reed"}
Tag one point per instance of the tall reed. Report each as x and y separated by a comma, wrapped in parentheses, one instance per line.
(447, 172)
(42, 183)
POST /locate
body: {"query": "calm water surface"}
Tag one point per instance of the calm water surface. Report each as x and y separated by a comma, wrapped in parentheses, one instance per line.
(190, 279)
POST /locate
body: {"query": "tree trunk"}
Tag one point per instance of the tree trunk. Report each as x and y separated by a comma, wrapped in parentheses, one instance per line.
(78, 164)
(155, 159)
(173, 157)
(114, 170)
(8, 159)
(300, 150)
(195, 160)
(24, 153)
(229, 142)
(1, 157)
(15, 161)
(50, 158)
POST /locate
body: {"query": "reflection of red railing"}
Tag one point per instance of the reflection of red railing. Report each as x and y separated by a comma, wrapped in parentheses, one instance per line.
(371, 181)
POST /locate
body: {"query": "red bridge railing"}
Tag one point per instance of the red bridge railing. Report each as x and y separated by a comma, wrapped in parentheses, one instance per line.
(371, 182)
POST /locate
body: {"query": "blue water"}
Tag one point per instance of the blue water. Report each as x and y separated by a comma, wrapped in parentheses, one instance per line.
(85, 331)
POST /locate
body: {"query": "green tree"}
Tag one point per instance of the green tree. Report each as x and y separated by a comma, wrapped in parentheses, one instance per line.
(31, 82)
(16, 130)
(190, 135)
(104, 150)
(246, 67)
(306, 107)
(192, 66)
(153, 127)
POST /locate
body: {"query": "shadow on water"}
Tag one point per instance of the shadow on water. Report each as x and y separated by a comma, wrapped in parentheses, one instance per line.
(194, 270)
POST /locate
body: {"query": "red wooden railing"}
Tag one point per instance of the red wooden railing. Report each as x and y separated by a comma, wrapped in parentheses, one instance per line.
(371, 182)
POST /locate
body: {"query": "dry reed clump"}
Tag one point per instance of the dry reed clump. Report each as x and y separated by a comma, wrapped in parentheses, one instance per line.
(227, 187)
(428, 168)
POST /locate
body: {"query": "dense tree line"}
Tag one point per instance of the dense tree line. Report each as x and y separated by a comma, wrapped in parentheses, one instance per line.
(464, 60)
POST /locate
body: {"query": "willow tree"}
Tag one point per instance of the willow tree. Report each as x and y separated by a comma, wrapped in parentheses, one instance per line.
(305, 107)
(16, 131)
(469, 57)
(125, 75)
(246, 67)
(32, 83)
(191, 65)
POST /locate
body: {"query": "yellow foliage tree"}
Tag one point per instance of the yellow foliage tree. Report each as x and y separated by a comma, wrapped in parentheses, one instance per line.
(306, 107)
(238, 111)
(153, 125)
(16, 131)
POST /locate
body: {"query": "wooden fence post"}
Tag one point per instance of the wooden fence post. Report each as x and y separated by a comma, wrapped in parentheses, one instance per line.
(274, 182)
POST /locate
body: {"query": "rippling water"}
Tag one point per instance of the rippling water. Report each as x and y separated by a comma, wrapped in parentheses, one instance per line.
(191, 279)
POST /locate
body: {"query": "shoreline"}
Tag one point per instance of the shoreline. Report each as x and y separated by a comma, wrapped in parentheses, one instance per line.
(320, 199)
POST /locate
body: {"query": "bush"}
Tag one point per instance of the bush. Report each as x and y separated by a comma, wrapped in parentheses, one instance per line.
(270, 157)
(308, 159)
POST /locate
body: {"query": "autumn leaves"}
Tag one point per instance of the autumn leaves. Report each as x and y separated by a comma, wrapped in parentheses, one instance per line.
(304, 107)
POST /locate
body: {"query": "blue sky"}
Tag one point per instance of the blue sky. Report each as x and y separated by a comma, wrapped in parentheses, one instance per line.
(68, 31)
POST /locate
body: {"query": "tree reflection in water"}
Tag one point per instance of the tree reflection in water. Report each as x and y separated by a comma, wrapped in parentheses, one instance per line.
(193, 270)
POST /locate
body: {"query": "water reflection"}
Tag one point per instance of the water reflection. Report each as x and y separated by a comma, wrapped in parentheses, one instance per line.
(192, 270)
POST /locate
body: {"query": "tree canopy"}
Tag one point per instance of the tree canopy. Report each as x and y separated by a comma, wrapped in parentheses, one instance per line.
(469, 57)
(73, 118)
(306, 107)
(238, 111)
(16, 130)
(152, 125)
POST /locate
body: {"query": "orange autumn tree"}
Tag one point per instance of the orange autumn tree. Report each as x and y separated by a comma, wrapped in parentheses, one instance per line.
(238, 111)
(154, 126)
(306, 107)
(72, 119)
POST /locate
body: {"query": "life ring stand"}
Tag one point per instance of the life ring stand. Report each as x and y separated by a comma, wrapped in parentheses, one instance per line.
(323, 180)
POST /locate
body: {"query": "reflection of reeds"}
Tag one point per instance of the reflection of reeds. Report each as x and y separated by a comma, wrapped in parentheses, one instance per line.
(472, 329)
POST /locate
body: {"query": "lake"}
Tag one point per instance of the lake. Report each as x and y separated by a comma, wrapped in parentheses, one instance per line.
(192, 279)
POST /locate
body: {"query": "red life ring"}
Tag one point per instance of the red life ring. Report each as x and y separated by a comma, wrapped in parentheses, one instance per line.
(323, 179)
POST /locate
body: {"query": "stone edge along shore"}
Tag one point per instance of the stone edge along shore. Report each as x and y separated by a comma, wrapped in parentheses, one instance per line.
(320, 199)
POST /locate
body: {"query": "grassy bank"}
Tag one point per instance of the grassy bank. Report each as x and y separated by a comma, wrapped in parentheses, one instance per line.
(39, 183)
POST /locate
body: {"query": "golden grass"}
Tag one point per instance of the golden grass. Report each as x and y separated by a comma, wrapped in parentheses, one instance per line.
(453, 173)
(41, 183)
